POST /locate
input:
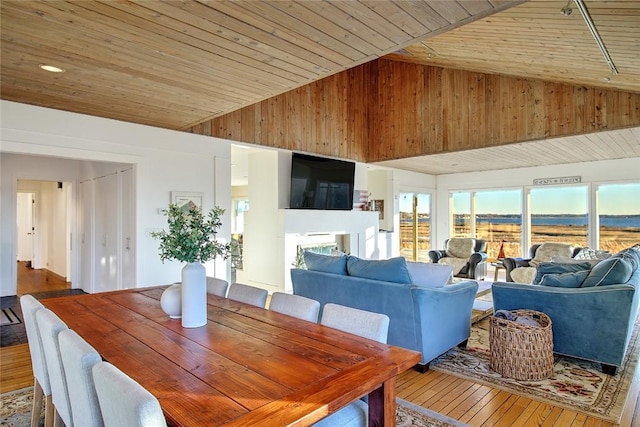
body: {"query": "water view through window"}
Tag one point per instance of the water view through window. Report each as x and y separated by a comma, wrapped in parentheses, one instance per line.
(556, 214)
(618, 216)
(559, 214)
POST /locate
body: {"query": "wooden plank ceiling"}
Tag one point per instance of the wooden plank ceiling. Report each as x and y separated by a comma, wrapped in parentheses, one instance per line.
(607, 145)
(173, 64)
(536, 40)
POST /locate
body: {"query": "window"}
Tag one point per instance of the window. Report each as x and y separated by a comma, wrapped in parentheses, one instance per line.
(415, 226)
(498, 221)
(461, 210)
(559, 214)
(618, 216)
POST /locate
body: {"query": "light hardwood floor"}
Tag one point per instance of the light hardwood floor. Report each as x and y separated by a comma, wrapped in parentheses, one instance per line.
(472, 403)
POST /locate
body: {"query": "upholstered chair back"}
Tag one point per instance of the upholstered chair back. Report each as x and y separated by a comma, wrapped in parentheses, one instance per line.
(123, 401)
(217, 286)
(78, 359)
(248, 294)
(295, 305)
(50, 327)
(366, 324)
(460, 247)
(41, 386)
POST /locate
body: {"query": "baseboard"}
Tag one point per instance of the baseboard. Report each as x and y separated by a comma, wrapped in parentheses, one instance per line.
(53, 274)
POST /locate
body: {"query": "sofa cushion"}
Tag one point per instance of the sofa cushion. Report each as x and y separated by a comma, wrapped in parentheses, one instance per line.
(523, 274)
(387, 270)
(456, 264)
(557, 268)
(565, 280)
(460, 247)
(429, 275)
(610, 271)
(547, 250)
(326, 263)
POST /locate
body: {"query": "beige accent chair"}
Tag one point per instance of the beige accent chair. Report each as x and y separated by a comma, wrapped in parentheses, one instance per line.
(523, 270)
(466, 255)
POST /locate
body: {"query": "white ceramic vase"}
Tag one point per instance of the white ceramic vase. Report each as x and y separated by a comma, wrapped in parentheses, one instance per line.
(171, 301)
(194, 295)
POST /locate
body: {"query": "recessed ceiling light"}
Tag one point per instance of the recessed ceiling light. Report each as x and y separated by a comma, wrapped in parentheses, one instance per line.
(52, 68)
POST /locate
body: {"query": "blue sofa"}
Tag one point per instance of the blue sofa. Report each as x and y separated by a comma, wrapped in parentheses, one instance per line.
(430, 318)
(593, 309)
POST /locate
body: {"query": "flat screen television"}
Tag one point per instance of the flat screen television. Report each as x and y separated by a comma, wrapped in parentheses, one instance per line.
(321, 183)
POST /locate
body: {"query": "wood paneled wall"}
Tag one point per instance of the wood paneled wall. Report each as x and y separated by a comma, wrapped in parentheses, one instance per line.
(328, 117)
(388, 109)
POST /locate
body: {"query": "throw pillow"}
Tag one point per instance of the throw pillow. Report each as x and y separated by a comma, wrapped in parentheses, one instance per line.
(326, 263)
(460, 247)
(610, 271)
(387, 270)
(588, 253)
(429, 275)
(557, 268)
(565, 280)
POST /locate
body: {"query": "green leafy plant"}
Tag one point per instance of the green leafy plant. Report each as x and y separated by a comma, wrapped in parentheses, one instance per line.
(191, 236)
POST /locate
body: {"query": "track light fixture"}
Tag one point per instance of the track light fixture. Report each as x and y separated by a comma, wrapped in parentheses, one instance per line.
(566, 11)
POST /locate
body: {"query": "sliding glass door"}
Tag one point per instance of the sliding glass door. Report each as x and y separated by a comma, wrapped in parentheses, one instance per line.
(415, 226)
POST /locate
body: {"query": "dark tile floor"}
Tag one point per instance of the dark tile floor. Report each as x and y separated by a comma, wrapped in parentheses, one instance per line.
(16, 334)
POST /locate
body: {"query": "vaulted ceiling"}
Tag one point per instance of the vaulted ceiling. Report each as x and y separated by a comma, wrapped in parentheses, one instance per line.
(173, 64)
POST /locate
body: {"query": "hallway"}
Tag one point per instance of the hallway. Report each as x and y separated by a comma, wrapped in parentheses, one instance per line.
(31, 281)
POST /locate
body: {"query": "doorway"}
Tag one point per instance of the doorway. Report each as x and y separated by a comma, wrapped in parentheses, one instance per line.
(43, 250)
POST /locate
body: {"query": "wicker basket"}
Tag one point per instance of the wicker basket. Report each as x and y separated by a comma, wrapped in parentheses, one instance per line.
(520, 351)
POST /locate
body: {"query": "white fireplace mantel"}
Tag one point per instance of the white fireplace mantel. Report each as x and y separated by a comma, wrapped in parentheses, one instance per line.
(361, 226)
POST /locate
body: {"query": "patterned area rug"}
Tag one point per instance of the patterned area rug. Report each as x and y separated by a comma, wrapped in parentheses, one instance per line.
(576, 384)
(15, 411)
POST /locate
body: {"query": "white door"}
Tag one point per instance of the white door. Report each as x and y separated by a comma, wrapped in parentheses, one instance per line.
(106, 233)
(25, 226)
(127, 230)
(85, 228)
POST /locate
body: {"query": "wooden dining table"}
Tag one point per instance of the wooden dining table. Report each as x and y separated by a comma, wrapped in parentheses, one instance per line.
(247, 366)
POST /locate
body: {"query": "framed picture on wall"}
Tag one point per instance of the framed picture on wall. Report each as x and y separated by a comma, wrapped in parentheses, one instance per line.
(182, 198)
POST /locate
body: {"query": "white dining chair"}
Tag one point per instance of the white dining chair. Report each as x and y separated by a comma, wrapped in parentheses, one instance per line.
(363, 323)
(366, 324)
(50, 327)
(248, 294)
(123, 401)
(41, 385)
(78, 359)
(295, 305)
(217, 286)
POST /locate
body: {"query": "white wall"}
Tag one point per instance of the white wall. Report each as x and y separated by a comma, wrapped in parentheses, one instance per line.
(271, 231)
(590, 173)
(165, 161)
